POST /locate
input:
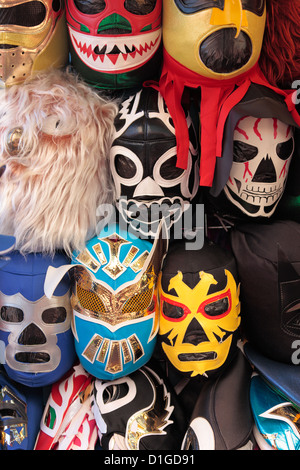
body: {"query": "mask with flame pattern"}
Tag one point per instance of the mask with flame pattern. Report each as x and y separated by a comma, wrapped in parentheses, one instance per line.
(33, 37)
(115, 315)
(199, 308)
(218, 38)
(115, 44)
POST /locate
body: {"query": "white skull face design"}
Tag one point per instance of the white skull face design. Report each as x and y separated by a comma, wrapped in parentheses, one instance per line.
(148, 184)
(262, 152)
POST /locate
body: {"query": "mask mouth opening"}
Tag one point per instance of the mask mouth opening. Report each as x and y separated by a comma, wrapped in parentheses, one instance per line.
(253, 209)
(202, 356)
(222, 53)
(32, 357)
(144, 215)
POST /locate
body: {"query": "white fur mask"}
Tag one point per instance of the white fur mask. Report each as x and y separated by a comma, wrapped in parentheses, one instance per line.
(55, 138)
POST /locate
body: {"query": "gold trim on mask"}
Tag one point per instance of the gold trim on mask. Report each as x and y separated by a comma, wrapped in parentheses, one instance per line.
(85, 258)
(103, 350)
(94, 300)
(285, 412)
(114, 268)
(92, 348)
(114, 361)
(138, 264)
(16, 431)
(154, 418)
(129, 257)
(36, 47)
(99, 349)
(99, 252)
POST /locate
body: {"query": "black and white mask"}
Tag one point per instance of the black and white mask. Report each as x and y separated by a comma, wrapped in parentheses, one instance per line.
(262, 152)
(138, 412)
(148, 184)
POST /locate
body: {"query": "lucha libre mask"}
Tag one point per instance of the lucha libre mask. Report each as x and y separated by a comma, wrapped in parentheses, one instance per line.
(199, 308)
(216, 39)
(270, 298)
(277, 424)
(148, 184)
(115, 316)
(262, 153)
(212, 429)
(138, 412)
(115, 44)
(67, 422)
(33, 37)
(21, 409)
(34, 330)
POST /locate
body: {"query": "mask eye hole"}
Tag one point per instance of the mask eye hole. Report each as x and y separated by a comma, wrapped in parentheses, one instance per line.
(169, 171)
(90, 300)
(285, 149)
(90, 8)
(12, 314)
(28, 14)
(173, 311)
(193, 6)
(54, 315)
(217, 308)
(138, 302)
(255, 6)
(125, 166)
(140, 7)
(243, 152)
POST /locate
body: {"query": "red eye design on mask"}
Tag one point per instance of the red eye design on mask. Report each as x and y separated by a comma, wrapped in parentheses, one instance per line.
(213, 308)
(173, 311)
(216, 307)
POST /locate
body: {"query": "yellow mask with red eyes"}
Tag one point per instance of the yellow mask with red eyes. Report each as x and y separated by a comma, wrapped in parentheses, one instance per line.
(196, 329)
(215, 38)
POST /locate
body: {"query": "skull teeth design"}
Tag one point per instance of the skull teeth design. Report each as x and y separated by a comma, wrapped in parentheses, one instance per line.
(257, 194)
(145, 216)
(259, 199)
(115, 54)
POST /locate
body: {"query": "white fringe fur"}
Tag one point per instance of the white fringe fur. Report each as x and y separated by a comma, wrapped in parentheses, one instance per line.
(50, 190)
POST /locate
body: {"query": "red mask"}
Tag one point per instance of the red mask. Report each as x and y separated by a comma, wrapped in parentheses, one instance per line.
(111, 42)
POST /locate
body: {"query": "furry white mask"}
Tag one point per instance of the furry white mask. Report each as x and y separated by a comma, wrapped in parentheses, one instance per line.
(55, 138)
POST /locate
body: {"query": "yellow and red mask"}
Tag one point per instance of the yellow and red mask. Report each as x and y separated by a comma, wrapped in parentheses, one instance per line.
(214, 38)
(199, 312)
(213, 46)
